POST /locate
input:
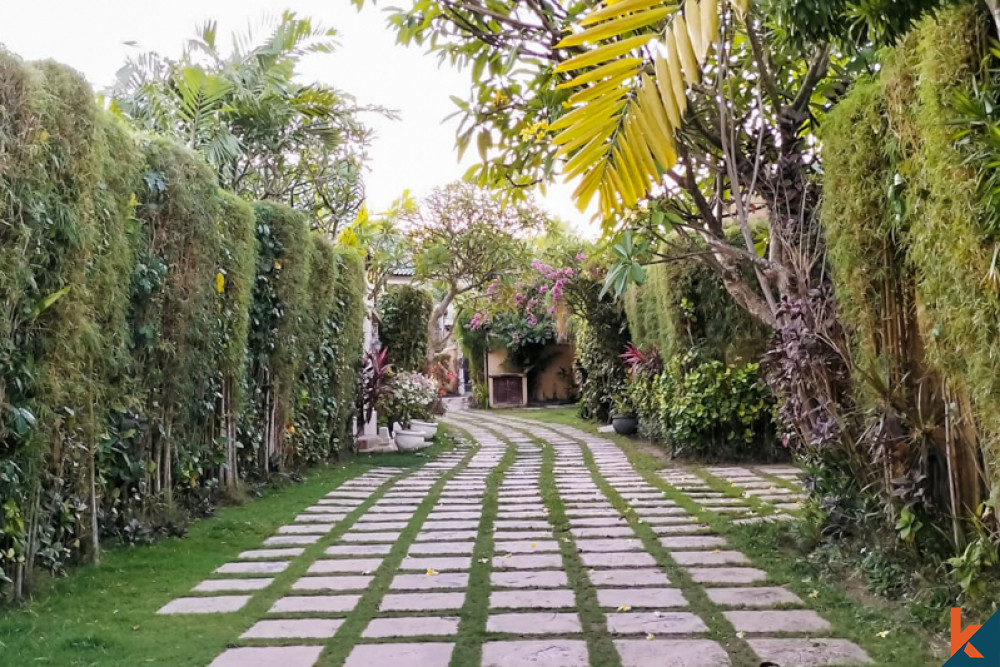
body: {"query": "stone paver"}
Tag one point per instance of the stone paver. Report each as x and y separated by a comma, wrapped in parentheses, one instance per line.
(660, 623)
(314, 603)
(776, 620)
(539, 579)
(425, 654)
(357, 583)
(263, 567)
(414, 626)
(560, 598)
(294, 628)
(759, 596)
(544, 653)
(641, 598)
(424, 582)
(673, 652)
(726, 575)
(631, 578)
(422, 601)
(809, 652)
(205, 605)
(534, 623)
(269, 656)
(240, 584)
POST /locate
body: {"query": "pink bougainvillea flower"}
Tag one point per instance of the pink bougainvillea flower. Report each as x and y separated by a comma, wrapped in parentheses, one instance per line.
(543, 289)
(580, 256)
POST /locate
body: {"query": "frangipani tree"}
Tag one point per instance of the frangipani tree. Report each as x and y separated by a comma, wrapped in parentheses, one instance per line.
(465, 239)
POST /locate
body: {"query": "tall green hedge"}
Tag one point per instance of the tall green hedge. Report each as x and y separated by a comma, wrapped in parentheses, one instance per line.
(158, 337)
(682, 305)
(912, 255)
(403, 315)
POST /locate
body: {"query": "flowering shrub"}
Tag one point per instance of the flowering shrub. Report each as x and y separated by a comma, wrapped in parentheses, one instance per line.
(410, 396)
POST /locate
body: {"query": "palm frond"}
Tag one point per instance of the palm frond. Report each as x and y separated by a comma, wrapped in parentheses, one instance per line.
(619, 136)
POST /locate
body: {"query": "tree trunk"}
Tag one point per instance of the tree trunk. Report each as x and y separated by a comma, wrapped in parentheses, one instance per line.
(435, 339)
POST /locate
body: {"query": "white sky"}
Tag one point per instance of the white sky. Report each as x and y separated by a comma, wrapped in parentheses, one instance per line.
(416, 152)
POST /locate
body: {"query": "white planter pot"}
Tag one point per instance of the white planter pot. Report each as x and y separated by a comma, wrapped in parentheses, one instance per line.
(427, 428)
(409, 441)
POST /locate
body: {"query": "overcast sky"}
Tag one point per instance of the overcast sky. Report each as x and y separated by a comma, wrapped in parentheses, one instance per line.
(415, 152)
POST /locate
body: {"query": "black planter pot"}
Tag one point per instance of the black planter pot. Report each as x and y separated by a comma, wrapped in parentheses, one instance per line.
(625, 425)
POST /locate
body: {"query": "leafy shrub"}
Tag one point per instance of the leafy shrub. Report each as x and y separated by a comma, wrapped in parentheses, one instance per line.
(704, 408)
(403, 315)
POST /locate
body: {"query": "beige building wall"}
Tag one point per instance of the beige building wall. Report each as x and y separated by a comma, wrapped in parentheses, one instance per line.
(555, 383)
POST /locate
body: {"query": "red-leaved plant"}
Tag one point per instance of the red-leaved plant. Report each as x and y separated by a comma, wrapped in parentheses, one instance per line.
(643, 362)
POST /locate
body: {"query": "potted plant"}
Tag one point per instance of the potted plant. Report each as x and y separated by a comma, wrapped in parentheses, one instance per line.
(410, 396)
(623, 417)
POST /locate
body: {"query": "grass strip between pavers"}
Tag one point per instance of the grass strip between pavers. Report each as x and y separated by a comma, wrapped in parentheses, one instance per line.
(102, 616)
(339, 647)
(472, 627)
(904, 646)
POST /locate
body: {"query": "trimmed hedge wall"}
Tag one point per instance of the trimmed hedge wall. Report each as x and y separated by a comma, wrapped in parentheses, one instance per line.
(912, 255)
(159, 338)
(403, 315)
(682, 305)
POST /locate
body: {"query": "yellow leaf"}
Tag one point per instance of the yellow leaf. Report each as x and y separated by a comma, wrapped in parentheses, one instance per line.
(599, 89)
(43, 136)
(671, 105)
(676, 77)
(608, 69)
(220, 282)
(625, 607)
(710, 19)
(692, 11)
(586, 156)
(590, 126)
(650, 636)
(431, 572)
(588, 186)
(615, 27)
(586, 111)
(604, 53)
(688, 60)
(619, 8)
(599, 133)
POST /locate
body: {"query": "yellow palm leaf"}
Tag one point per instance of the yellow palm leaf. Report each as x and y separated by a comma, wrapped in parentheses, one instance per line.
(586, 156)
(671, 104)
(612, 68)
(661, 145)
(619, 8)
(603, 131)
(590, 124)
(604, 53)
(686, 52)
(591, 109)
(639, 144)
(616, 27)
(676, 78)
(692, 12)
(589, 184)
(709, 20)
(599, 89)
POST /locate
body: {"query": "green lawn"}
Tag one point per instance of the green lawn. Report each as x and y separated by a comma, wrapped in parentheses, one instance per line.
(106, 615)
(854, 616)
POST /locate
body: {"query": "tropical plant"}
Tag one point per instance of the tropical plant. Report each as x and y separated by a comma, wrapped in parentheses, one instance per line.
(375, 374)
(267, 136)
